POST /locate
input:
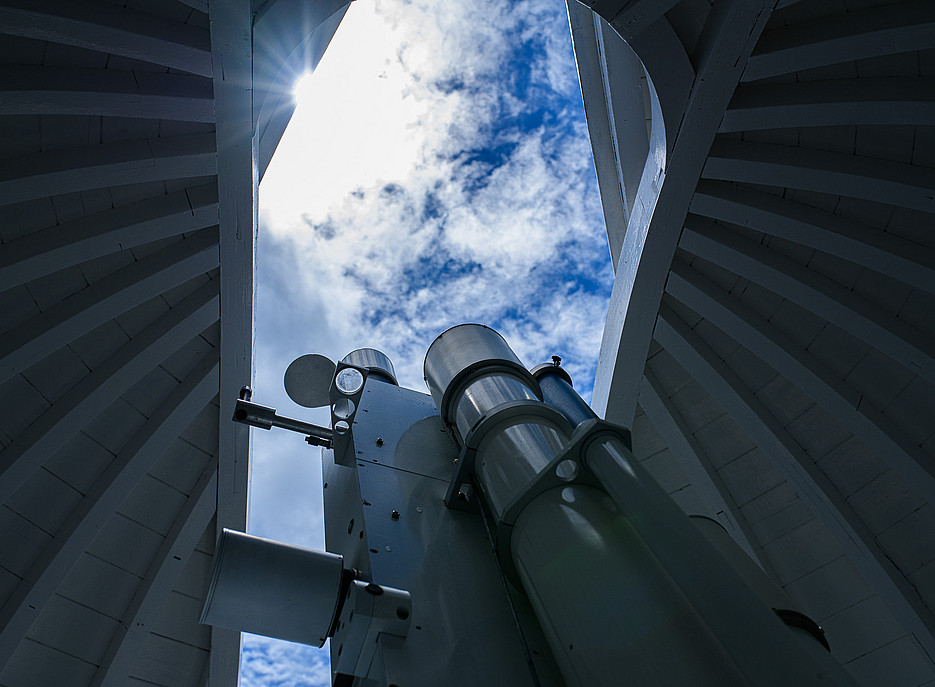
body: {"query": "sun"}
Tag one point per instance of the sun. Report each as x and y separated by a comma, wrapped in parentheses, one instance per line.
(303, 89)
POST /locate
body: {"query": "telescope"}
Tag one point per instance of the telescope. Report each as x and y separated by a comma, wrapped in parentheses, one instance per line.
(496, 532)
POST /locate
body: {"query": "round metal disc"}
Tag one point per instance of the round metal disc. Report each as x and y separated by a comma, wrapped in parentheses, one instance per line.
(308, 380)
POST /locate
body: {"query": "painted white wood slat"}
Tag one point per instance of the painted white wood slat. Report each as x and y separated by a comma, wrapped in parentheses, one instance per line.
(92, 236)
(104, 385)
(812, 291)
(107, 164)
(853, 176)
(106, 299)
(632, 17)
(98, 505)
(696, 465)
(847, 406)
(823, 498)
(237, 193)
(28, 89)
(110, 29)
(651, 238)
(168, 564)
(597, 111)
(200, 5)
(853, 35)
(908, 101)
(844, 237)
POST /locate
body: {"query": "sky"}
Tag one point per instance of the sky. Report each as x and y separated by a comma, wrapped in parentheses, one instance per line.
(437, 170)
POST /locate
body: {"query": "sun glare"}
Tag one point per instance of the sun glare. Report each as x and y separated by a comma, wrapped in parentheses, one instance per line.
(303, 91)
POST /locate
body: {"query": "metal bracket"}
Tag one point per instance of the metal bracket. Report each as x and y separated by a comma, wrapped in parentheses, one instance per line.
(567, 469)
(343, 409)
(367, 612)
(498, 417)
(264, 417)
(480, 369)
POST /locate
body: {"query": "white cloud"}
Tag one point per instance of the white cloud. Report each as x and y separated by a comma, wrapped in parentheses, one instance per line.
(271, 663)
(437, 171)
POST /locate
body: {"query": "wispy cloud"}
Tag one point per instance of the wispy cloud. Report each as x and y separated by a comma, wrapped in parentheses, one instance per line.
(279, 664)
(437, 171)
(473, 197)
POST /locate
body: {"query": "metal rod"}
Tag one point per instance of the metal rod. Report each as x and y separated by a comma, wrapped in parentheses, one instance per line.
(264, 417)
(312, 431)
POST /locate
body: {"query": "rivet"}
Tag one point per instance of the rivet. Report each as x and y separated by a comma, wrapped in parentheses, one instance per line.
(395, 515)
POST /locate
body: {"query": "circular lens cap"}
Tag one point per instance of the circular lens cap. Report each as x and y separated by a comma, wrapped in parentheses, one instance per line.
(308, 380)
(349, 381)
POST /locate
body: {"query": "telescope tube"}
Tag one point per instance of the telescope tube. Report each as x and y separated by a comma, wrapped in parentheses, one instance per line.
(625, 588)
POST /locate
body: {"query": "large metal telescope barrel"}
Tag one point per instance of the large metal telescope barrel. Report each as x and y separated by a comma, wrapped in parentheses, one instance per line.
(624, 587)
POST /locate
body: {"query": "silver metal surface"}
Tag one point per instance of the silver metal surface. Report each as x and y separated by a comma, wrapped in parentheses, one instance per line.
(485, 393)
(611, 614)
(509, 460)
(558, 391)
(308, 379)
(369, 613)
(762, 648)
(457, 352)
(265, 417)
(463, 631)
(273, 589)
(373, 360)
(625, 588)
(771, 594)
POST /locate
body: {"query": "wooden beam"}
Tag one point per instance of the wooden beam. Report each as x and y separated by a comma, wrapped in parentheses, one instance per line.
(834, 395)
(908, 101)
(200, 5)
(106, 93)
(852, 35)
(652, 234)
(92, 236)
(95, 392)
(594, 91)
(881, 181)
(633, 16)
(168, 564)
(232, 46)
(110, 29)
(825, 501)
(98, 506)
(844, 237)
(812, 291)
(697, 467)
(106, 299)
(67, 170)
(289, 39)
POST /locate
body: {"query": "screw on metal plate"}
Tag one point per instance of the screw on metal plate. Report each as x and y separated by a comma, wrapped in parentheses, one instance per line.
(245, 393)
(395, 515)
(379, 441)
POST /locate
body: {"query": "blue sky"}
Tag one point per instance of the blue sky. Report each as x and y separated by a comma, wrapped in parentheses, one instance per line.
(437, 171)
